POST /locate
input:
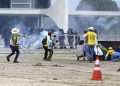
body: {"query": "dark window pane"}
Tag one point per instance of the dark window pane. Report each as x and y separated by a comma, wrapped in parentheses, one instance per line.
(4, 3)
(42, 4)
(20, 6)
(32, 3)
(21, 1)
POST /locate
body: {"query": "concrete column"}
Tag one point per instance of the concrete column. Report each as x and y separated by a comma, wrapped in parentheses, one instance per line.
(59, 13)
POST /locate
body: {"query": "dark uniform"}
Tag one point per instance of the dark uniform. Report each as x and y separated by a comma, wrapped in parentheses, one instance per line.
(48, 47)
(14, 47)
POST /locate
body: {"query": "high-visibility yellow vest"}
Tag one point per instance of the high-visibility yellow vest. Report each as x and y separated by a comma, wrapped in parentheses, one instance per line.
(91, 38)
(15, 39)
(110, 52)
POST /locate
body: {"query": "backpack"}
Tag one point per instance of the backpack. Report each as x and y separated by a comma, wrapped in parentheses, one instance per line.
(44, 41)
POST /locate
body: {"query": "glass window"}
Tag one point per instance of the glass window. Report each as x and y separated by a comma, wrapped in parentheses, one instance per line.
(106, 26)
(94, 5)
(21, 1)
(31, 3)
(20, 6)
(42, 3)
(4, 3)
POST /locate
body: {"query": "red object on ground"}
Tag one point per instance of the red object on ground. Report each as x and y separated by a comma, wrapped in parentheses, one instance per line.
(97, 74)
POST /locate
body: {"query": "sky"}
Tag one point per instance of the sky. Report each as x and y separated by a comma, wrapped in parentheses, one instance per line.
(73, 3)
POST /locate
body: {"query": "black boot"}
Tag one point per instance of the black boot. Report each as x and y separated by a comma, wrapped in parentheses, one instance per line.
(78, 58)
(8, 59)
(15, 62)
(118, 70)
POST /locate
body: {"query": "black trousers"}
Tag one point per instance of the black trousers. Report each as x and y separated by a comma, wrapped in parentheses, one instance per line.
(50, 53)
(46, 52)
(46, 56)
(14, 49)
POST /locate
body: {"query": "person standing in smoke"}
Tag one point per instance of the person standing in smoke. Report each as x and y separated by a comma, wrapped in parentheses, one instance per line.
(48, 46)
(70, 37)
(61, 39)
(14, 45)
(55, 41)
(91, 41)
(77, 39)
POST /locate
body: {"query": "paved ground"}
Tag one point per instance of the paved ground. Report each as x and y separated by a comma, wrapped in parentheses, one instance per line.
(63, 70)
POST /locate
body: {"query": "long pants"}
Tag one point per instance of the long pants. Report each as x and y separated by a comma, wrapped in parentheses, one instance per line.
(50, 54)
(46, 56)
(46, 52)
(85, 49)
(115, 56)
(90, 52)
(14, 49)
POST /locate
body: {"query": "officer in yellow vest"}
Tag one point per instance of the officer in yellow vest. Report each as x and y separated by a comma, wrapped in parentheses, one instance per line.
(91, 41)
(14, 45)
(112, 55)
(109, 53)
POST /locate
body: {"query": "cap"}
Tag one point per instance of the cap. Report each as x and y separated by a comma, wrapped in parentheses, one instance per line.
(91, 28)
(110, 48)
(15, 31)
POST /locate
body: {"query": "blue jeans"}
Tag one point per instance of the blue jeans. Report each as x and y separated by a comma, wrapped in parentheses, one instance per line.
(85, 49)
(115, 56)
(89, 50)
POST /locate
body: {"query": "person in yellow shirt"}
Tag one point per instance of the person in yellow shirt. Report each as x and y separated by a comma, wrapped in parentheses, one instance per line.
(91, 41)
(109, 53)
(91, 37)
(112, 55)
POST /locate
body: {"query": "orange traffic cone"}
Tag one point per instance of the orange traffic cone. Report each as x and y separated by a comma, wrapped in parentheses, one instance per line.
(97, 74)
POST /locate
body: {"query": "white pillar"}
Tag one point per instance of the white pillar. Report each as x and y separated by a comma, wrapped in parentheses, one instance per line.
(59, 13)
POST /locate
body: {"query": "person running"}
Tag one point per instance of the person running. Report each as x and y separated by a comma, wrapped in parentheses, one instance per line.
(14, 45)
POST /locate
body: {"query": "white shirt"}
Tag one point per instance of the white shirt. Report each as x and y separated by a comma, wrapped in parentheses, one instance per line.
(49, 42)
(79, 50)
(98, 51)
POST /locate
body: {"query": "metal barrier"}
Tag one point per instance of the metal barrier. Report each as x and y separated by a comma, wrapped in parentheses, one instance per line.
(68, 40)
(35, 41)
